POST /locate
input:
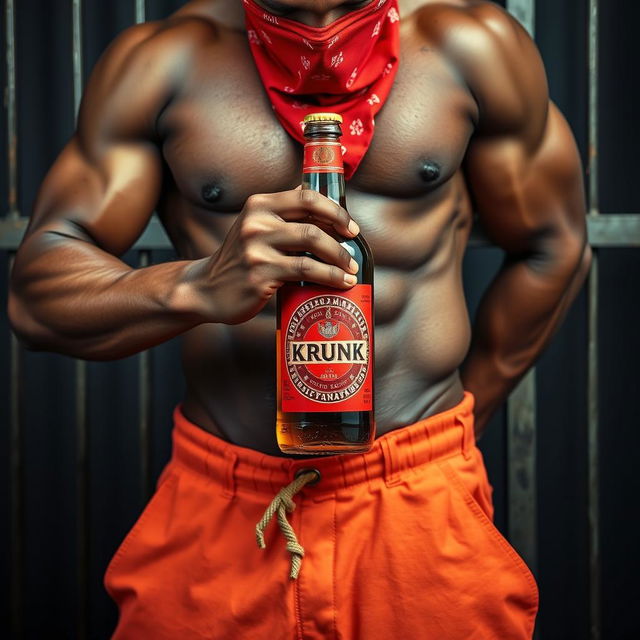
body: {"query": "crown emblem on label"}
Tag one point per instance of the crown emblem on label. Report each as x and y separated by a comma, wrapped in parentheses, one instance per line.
(323, 155)
(328, 329)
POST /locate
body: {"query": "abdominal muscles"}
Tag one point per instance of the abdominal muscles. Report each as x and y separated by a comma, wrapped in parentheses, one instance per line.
(422, 334)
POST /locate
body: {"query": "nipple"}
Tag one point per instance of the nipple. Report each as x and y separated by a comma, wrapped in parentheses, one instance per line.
(211, 193)
(430, 171)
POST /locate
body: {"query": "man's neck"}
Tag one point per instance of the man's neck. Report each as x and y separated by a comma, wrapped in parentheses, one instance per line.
(230, 13)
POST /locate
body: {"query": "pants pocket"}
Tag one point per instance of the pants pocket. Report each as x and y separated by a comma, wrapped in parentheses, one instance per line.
(155, 506)
(513, 583)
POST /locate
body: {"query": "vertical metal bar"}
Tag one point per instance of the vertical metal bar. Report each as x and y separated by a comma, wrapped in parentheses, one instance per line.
(16, 433)
(12, 121)
(76, 11)
(144, 378)
(82, 435)
(521, 477)
(140, 8)
(594, 205)
(525, 12)
(593, 474)
(521, 417)
(144, 364)
(595, 621)
(82, 499)
(16, 454)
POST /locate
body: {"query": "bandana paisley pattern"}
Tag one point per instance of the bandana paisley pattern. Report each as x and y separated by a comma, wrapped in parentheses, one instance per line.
(347, 67)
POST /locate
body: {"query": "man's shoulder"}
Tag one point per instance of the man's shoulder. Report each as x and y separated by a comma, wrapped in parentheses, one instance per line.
(440, 18)
(494, 55)
(169, 43)
(141, 70)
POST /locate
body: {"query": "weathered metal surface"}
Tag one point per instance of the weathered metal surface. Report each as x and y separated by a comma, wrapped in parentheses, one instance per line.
(611, 230)
(81, 414)
(82, 498)
(614, 230)
(10, 103)
(521, 475)
(145, 409)
(140, 7)
(593, 422)
(525, 12)
(16, 480)
(521, 418)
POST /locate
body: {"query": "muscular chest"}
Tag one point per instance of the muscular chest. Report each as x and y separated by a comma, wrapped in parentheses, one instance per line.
(222, 142)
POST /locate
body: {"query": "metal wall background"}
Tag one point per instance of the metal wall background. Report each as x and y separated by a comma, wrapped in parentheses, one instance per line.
(81, 443)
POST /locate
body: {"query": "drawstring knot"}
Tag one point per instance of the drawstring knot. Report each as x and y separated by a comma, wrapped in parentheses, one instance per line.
(282, 503)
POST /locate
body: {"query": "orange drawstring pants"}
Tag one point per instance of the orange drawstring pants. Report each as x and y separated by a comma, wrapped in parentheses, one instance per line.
(398, 543)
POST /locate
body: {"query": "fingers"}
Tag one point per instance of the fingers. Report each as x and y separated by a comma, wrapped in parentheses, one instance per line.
(272, 225)
(305, 268)
(300, 204)
(295, 236)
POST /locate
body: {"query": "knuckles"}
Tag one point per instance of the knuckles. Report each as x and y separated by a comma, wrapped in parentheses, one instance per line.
(261, 265)
(309, 233)
(255, 257)
(256, 201)
(308, 196)
(254, 225)
(303, 265)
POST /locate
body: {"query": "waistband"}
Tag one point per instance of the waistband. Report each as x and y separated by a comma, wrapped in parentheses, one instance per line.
(234, 468)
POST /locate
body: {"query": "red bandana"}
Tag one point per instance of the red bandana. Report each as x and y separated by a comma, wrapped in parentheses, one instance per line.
(347, 67)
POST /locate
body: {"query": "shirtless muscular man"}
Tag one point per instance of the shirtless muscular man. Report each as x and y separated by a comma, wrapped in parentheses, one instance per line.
(398, 542)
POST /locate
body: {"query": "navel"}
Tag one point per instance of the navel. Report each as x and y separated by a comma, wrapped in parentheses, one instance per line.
(211, 193)
(430, 171)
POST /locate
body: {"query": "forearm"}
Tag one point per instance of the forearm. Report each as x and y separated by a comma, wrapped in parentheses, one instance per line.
(70, 297)
(515, 321)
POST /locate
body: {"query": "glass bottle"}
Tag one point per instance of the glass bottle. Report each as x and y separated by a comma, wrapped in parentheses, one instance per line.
(325, 335)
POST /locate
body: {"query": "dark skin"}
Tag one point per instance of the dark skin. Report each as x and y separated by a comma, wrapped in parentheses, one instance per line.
(175, 118)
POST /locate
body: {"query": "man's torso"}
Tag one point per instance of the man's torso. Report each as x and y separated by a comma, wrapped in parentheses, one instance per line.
(221, 143)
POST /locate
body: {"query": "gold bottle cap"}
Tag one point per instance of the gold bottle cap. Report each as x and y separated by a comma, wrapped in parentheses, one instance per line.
(323, 117)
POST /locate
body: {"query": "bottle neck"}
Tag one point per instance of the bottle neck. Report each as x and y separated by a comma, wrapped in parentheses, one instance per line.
(322, 168)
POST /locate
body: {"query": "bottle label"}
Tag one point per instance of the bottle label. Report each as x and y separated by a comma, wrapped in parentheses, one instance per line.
(325, 350)
(323, 156)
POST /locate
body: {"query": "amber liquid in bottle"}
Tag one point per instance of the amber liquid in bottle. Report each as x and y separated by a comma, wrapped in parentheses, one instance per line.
(327, 432)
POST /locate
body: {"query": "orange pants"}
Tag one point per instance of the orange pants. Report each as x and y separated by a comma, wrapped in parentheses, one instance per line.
(399, 543)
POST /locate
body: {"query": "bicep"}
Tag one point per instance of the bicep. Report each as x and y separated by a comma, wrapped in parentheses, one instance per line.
(106, 199)
(104, 185)
(528, 196)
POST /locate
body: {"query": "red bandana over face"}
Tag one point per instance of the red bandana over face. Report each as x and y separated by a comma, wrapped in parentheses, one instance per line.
(347, 67)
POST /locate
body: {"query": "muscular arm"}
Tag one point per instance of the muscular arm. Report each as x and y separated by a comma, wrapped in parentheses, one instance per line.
(525, 177)
(69, 292)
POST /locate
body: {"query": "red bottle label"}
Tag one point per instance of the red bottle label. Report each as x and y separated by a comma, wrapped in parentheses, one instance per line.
(326, 349)
(323, 156)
